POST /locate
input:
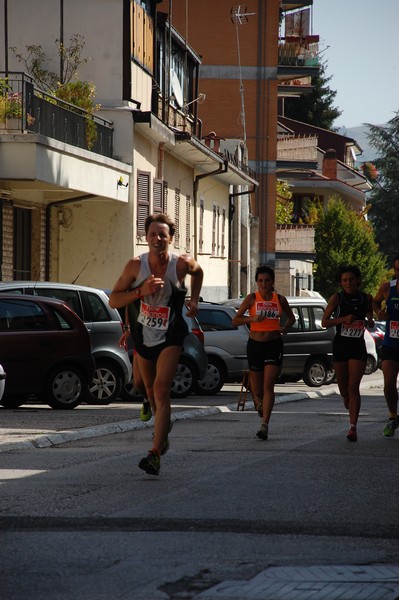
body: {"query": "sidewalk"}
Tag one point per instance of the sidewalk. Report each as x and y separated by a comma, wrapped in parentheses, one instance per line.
(38, 426)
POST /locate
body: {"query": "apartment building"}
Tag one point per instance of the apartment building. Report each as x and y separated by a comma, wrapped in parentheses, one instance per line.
(251, 54)
(71, 210)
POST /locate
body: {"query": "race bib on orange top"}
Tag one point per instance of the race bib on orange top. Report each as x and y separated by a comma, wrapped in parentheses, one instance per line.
(156, 317)
(268, 310)
(394, 330)
(354, 330)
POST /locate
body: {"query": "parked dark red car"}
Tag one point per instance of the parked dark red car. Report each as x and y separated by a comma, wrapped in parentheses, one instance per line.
(45, 351)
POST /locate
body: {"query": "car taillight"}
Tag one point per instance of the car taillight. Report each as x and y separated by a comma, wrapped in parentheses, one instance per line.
(199, 333)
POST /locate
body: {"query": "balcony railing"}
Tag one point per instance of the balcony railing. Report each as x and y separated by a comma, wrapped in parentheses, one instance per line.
(301, 147)
(295, 238)
(26, 109)
(299, 52)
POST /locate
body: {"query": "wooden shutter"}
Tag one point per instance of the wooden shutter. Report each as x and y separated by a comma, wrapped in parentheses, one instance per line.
(157, 196)
(143, 200)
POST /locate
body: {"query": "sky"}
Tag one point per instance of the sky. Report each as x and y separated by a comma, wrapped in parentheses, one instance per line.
(359, 39)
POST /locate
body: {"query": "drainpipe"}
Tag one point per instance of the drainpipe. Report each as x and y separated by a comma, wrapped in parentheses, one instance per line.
(222, 169)
(49, 206)
(231, 217)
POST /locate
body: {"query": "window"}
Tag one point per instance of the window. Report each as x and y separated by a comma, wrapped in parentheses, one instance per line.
(215, 320)
(62, 323)
(142, 33)
(177, 218)
(157, 196)
(201, 226)
(22, 243)
(96, 307)
(188, 224)
(70, 297)
(318, 313)
(21, 316)
(223, 247)
(214, 219)
(143, 200)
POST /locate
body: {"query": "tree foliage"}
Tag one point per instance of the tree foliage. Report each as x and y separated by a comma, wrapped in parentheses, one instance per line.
(317, 107)
(284, 206)
(384, 198)
(343, 237)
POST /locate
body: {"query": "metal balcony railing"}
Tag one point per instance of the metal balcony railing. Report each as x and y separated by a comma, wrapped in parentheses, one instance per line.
(24, 108)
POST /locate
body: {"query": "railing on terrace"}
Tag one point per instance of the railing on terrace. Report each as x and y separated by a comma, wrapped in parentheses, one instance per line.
(26, 109)
(299, 147)
(295, 238)
(296, 51)
(232, 158)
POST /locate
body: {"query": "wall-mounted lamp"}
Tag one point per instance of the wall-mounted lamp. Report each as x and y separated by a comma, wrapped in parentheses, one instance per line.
(120, 182)
(201, 98)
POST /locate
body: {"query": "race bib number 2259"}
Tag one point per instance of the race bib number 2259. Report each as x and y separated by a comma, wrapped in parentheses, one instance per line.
(156, 317)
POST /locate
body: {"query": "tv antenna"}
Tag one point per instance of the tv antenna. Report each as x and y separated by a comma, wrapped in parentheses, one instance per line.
(239, 16)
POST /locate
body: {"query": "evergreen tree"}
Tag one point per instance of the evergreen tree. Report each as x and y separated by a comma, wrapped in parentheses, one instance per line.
(384, 198)
(343, 237)
(317, 107)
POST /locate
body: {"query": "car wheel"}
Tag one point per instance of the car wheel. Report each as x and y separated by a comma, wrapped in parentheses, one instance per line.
(371, 365)
(330, 377)
(106, 384)
(184, 380)
(64, 388)
(214, 379)
(12, 402)
(129, 393)
(315, 372)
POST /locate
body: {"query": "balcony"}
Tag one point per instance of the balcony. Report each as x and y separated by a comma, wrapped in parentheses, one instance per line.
(26, 109)
(297, 152)
(298, 57)
(295, 239)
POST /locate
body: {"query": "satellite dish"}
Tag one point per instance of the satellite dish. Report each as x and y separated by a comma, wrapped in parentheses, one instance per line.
(176, 88)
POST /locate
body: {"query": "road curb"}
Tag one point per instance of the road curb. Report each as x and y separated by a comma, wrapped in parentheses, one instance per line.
(61, 437)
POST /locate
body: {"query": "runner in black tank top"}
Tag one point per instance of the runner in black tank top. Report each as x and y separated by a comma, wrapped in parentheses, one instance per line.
(348, 311)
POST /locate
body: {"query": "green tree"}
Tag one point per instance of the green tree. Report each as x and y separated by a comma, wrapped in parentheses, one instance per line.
(343, 237)
(384, 198)
(284, 206)
(317, 107)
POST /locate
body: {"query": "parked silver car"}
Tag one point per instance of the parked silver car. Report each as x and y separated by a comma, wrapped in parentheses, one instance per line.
(2, 381)
(307, 346)
(113, 367)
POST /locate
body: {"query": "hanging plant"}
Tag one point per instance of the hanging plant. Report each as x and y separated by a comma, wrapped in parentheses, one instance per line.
(369, 171)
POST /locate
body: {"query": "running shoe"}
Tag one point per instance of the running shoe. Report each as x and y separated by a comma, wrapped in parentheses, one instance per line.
(390, 427)
(352, 434)
(263, 431)
(146, 412)
(151, 463)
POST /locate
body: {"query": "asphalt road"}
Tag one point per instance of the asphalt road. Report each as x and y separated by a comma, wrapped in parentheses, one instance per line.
(305, 515)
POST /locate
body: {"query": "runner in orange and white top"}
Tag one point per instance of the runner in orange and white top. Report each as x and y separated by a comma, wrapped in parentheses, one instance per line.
(262, 311)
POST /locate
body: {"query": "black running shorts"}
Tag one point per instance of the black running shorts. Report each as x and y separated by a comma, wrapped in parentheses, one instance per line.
(261, 354)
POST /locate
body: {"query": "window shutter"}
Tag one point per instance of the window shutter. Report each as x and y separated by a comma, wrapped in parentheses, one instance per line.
(177, 218)
(143, 201)
(157, 196)
(188, 224)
